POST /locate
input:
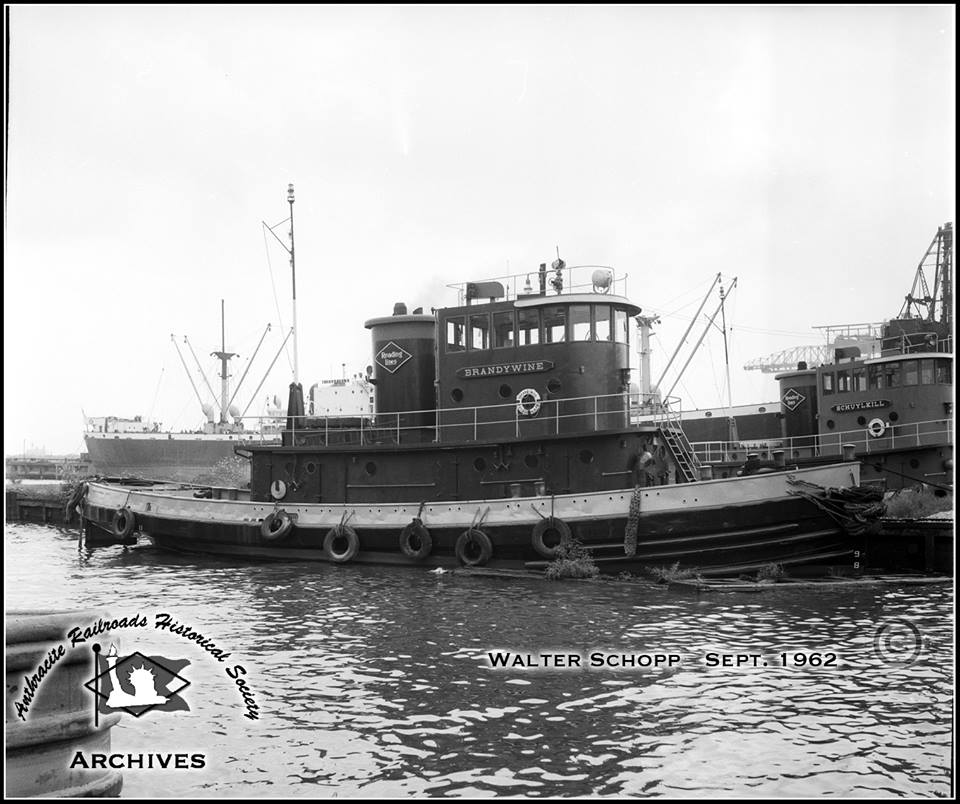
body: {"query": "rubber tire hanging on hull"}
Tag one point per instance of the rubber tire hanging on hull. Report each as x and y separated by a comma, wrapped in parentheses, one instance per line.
(276, 526)
(341, 532)
(473, 536)
(124, 522)
(542, 528)
(416, 533)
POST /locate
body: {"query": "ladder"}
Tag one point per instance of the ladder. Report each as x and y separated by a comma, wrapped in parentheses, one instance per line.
(683, 454)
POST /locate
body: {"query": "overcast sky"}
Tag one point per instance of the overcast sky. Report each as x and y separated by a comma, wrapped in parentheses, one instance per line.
(808, 151)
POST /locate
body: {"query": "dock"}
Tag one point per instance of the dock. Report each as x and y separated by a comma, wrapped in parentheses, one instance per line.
(23, 506)
(54, 467)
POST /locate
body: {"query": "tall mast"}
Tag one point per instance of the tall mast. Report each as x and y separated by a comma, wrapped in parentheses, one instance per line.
(293, 272)
(224, 356)
(645, 323)
(732, 434)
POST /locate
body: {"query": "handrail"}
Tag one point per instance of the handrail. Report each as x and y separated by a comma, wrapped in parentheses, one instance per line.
(895, 436)
(598, 412)
(908, 343)
(512, 281)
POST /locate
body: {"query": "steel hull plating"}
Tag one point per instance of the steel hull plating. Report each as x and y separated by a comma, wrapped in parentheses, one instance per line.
(718, 526)
(178, 457)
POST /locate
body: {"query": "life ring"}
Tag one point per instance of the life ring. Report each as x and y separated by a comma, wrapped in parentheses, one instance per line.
(473, 548)
(876, 427)
(545, 526)
(124, 521)
(276, 526)
(528, 402)
(415, 541)
(335, 535)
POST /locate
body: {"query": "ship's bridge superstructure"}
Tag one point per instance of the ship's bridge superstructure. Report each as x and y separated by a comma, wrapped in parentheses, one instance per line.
(500, 365)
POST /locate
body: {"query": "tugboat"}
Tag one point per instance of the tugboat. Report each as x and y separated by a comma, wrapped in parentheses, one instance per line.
(885, 389)
(501, 432)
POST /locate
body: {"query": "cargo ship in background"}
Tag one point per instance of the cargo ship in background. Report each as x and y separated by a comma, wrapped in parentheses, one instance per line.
(136, 448)
(139, 448)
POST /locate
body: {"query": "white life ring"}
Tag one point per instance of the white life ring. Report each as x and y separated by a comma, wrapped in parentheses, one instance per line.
(528, 402)
(876, 427)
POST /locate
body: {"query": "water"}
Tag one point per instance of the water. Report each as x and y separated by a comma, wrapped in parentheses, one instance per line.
(374, 682)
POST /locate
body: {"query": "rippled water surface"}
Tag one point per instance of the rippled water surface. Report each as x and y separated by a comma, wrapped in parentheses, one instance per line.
(376, 682)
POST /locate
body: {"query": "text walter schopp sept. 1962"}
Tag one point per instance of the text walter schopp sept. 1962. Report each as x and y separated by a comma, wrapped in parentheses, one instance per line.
(504, 659)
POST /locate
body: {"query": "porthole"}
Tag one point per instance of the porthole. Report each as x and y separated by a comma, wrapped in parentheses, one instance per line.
(914, 463)
(831, 424)
(554, 386)
(370, 468)
(708, 414)
(505, 391)
(586, 456)
(479, 464)
(894, 415)
(457, 394)
(532, 461)
(762, 410)
(311, 467)
(861, 420)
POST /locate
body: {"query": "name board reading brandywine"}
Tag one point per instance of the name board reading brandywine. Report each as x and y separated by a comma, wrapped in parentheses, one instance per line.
(501, 369)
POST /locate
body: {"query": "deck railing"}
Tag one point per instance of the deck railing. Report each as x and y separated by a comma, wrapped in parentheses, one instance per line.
(466, 423)
(575, 279)
(895, 436)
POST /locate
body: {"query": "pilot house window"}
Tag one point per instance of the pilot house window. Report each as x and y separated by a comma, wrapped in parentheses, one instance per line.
(580, 322)
(621, 328)
(528, 327)
(891, 372)
(554, 324)
(455, 341)
(479, 332)
(503, 329)
(827, 383)
(910, 373)
(602, 327)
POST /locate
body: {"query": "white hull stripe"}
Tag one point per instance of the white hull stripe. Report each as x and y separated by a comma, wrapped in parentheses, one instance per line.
(686, 497)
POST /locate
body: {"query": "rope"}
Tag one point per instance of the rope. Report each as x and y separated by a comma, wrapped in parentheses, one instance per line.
(633, 522)
(853, 509)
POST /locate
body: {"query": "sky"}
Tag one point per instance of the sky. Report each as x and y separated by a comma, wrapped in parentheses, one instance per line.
(806, 151)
